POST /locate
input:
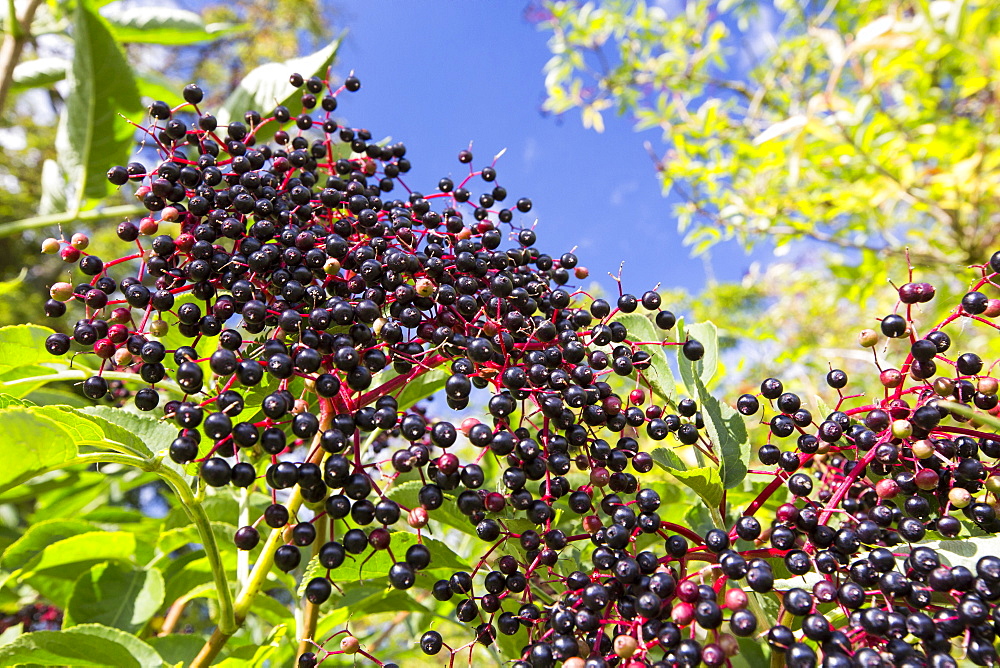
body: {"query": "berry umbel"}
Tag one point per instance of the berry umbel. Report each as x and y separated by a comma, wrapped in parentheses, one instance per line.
(288, 288)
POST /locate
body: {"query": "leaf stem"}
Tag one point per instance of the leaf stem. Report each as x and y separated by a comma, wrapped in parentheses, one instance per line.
(18, 34)
(262, 567)
(777, 656)
(310, 612)
(94, 215)
(967, 411)
(196, 512)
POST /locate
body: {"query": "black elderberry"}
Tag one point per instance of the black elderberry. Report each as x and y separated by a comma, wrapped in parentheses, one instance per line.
(318, 589)
(431, 642)
(974, 303)
(246, 538)
(216, 472)
(893, 326)
(287, 557)
(693, 350)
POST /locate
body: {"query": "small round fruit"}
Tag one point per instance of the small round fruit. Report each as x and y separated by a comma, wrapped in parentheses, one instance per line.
(287, 557)
(959, 498)
(901, 428)
(318, 591)
(402, 575)
(246, 538)
(693, 350)
(216, 472)
(625, 646)
(868, 338)
(893, 326)
(922, 449)
(350, 645)
(431, 643)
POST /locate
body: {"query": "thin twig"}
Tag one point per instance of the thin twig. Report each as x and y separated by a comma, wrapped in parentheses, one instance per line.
(18, 34)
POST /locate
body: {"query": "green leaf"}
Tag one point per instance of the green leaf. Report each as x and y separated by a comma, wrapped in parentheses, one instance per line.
(178, 648)
(53, 181)
(407, 494)
(87, 645)
(143, 434)
(79, 427)
(23, 345)
(176, 538)
(705, 481)
(14, 284)
(91, 135)
(24, 380)
(116, 595)
(170, 26)
(84, 548)
(56, 397)
(753, 654)
(10, 400)
(253, 656)
(422, 387)
(39, 73)
(965, 551)
(32, 443)
(378, 565)
(272, 610)
(266, 87)
(659, 375)
(38, 537)
(154, 86)
(729, 435)
(142, 654)
(705, 368)
(186, 573)
(668, 459)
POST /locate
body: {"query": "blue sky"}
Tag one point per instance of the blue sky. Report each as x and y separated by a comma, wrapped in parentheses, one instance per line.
(439, 75)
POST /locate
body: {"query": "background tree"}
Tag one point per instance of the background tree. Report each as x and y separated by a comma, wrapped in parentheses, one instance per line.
(847, 136)
(245, 516)
(68, 69)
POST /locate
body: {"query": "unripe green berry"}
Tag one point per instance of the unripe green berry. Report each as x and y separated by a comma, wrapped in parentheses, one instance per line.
(922, 449)
(80, 241)
(944, 387)
(868, 338)
(61, 291)
(350, 645)
(959, 498)
(424, 287)
(625, 646)
(901, 428)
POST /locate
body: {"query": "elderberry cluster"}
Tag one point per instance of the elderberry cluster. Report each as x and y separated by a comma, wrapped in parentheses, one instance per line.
(285, 300)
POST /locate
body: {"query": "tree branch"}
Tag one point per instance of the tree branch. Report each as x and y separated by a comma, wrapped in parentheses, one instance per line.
(18, 34)
(94, 215)
(310, 611)
(196, 512)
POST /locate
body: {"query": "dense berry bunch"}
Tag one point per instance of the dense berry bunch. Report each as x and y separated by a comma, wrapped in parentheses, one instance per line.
(286, 296)
(33, 617)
